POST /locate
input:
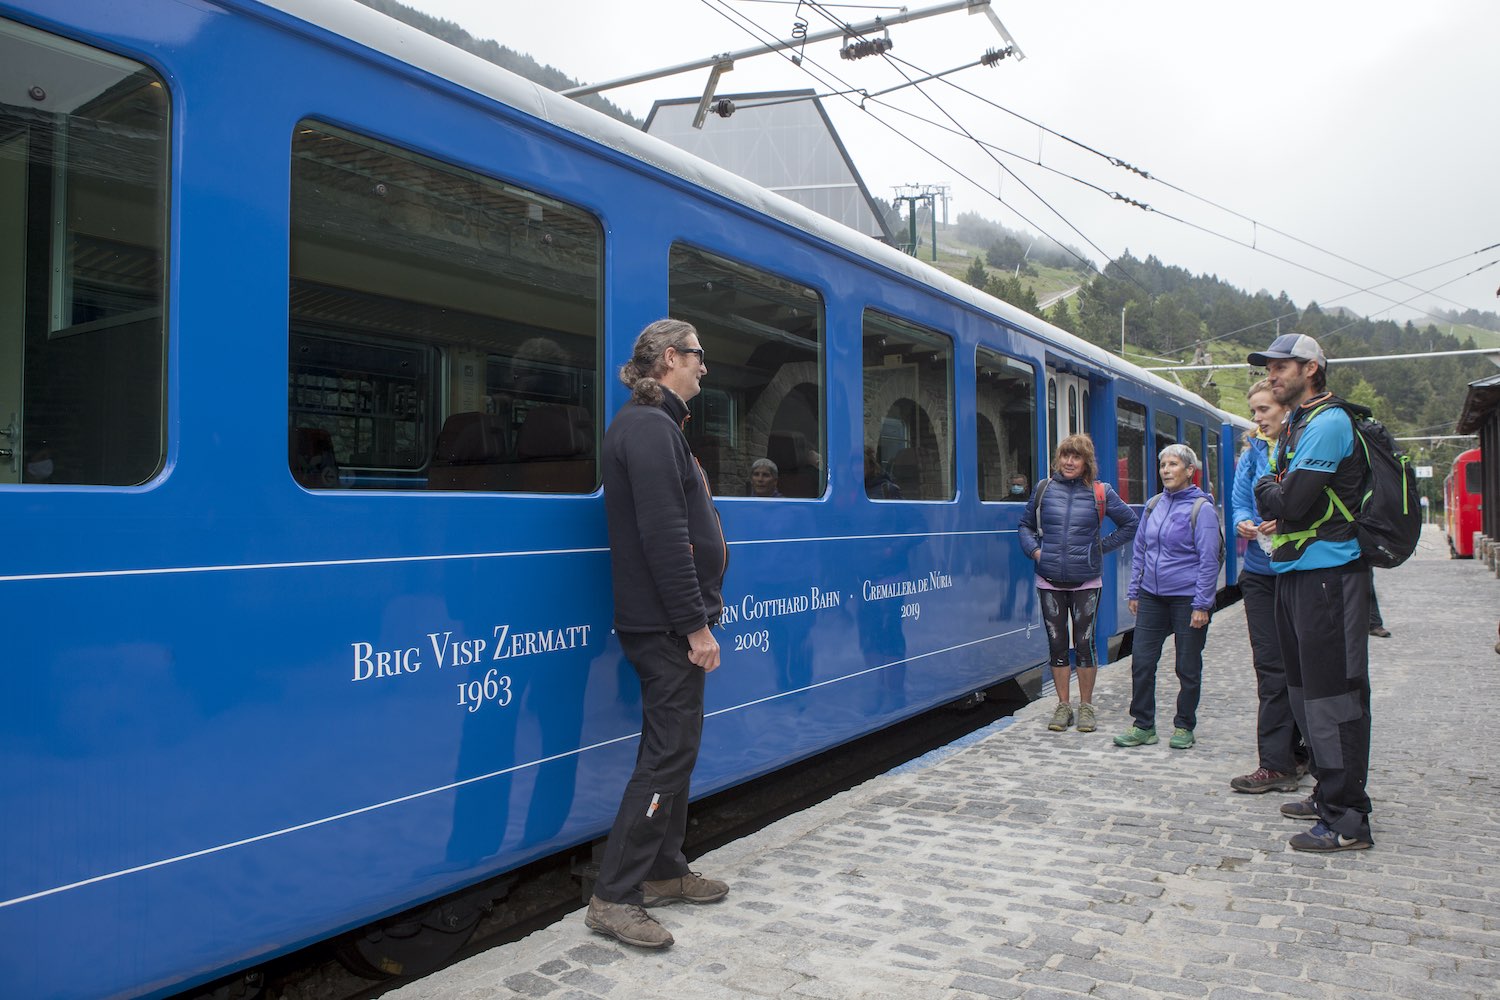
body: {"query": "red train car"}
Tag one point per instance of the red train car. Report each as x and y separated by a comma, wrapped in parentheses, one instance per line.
(1461, 504)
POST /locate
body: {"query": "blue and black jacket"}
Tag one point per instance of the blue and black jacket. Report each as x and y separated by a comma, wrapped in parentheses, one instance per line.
(1314, 465)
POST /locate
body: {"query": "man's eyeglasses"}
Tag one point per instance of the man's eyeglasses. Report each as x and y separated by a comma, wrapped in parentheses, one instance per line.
(691, 350)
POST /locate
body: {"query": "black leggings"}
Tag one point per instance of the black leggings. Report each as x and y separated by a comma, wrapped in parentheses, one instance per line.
(1057, 607)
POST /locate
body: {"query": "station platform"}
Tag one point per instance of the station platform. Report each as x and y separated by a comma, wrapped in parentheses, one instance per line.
(1023, 863)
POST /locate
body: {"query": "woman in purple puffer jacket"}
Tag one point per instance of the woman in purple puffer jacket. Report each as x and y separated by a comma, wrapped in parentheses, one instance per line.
(1173, 581)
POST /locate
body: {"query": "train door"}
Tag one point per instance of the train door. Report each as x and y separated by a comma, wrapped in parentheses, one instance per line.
(12, 300)
(1067, 408)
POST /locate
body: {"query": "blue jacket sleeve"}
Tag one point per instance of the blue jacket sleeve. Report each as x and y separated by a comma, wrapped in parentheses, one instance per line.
(1029, 542)
(1242, 497)
(1124, 518)
(1206, 543)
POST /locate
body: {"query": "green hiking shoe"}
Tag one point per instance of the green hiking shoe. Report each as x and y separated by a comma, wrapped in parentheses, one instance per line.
(1086, 723)
(1136, 737)
(1181, 739)
(1062, 716)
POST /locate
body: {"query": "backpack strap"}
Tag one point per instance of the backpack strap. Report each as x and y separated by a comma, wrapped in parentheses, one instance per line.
(1041, 489)
(1099, 501)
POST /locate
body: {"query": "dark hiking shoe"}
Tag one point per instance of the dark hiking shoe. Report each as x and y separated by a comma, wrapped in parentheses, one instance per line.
(689, 888)
(1264, 780)
(1323, 839)
(1380, 632)
(627, 923)
(1301, 809)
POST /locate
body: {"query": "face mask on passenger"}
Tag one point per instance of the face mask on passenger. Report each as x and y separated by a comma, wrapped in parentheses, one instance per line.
(1016, 489)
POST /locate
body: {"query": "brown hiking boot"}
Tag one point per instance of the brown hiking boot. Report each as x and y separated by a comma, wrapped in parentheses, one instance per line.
(627, 923)
(689, 888)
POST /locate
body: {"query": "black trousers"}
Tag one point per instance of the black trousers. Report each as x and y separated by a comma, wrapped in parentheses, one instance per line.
(645, 842)
(1278, 741)
(1322, 621)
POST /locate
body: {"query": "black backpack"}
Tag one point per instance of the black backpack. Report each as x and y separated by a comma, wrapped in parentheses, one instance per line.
(1388, 518)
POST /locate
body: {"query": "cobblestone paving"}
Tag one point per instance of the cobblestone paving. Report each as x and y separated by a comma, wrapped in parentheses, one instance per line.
(1050, 865)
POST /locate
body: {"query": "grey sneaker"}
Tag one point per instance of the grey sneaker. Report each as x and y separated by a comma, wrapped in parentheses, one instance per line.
(1086, 718)
(689, 888)
(1062, 717)
(627, 923)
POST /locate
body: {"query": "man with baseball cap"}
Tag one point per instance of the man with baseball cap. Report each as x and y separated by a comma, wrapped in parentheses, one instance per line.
(1322, 591)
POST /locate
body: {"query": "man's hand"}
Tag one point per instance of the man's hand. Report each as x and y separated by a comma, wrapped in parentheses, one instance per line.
(703, 649)
(1245, 529)
(1199, 619)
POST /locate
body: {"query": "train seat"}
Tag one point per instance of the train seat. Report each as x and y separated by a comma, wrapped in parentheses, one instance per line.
(906, 470)
(797, 476)
(468, 453)
(314, 464)
(554, 450)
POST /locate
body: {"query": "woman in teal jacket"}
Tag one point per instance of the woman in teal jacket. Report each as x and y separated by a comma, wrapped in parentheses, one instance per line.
(1279, 744)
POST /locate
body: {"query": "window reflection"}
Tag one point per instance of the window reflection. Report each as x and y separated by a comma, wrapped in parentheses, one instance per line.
(1005, 414)
(444, 326)
(908, 390)
(83, 180)
(763, 399)
(1130, 451)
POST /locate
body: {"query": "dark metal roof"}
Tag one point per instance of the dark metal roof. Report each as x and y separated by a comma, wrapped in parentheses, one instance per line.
(1483, 398)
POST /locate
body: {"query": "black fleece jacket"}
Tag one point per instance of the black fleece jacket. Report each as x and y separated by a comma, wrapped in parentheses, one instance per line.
(667, 552)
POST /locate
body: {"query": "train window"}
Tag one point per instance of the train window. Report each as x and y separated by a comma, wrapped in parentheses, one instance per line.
(444, 326)
(1130, 451)
(1005, 413)
(83, 223)
(764, 340)
(1166, 433)
(1474, 478)
(908, 395)
(1052, 437)
(1088, 424)
(1198, 441)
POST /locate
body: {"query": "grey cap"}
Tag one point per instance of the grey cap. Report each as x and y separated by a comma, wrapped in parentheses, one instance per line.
(1291, 345)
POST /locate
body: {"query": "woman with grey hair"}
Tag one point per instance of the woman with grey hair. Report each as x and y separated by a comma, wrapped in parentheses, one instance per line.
(1173, 581)
(764, 478)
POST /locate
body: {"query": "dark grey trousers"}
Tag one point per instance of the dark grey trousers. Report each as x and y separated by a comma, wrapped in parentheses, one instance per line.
(645, 842)
(1323, 623)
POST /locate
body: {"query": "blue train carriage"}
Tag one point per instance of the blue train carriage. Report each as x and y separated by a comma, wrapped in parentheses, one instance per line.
(307, 369)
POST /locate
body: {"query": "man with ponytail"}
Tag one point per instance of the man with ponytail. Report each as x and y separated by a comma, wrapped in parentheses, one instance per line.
(667, 558)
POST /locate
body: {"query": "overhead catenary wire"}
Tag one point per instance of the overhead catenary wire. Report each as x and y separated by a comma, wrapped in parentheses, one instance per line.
(1147, 175)
(760, 33)
(897, 65)
(958, 129)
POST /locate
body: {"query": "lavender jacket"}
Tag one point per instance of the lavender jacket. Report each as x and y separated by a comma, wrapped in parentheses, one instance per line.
(1171, 560)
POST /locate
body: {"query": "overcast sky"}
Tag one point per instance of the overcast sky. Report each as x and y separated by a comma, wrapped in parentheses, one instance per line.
(1363, 127)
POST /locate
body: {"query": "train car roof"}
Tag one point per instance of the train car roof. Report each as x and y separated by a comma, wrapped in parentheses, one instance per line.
(378, 32)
